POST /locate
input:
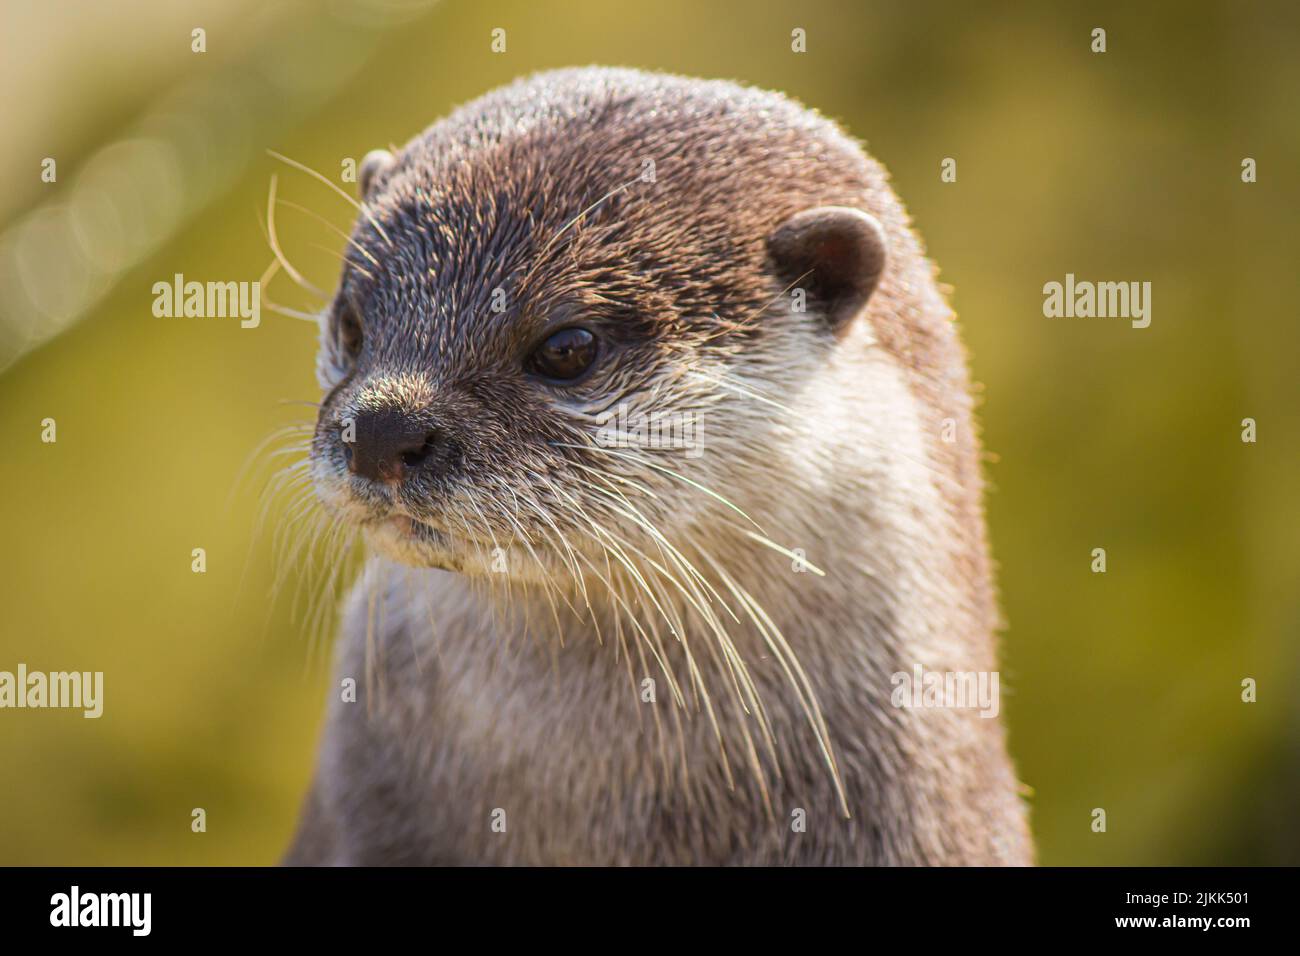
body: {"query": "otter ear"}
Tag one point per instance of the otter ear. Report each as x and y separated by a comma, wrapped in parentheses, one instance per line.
(373, 165)
(836, 254)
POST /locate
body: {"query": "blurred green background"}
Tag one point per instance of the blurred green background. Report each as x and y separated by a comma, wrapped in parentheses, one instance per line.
(1124, 688)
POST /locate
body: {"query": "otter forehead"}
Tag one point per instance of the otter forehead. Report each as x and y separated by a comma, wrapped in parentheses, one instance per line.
(594, 192)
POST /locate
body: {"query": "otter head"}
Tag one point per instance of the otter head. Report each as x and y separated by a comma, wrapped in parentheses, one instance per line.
(574, 316)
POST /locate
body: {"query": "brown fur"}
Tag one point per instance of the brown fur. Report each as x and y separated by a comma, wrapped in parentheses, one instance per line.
(519, 692)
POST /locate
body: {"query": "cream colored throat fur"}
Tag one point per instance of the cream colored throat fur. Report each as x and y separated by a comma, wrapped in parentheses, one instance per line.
(617, 724)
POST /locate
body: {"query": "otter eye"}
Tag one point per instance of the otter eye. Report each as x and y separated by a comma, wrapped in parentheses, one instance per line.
(349, 333)
(565, 355)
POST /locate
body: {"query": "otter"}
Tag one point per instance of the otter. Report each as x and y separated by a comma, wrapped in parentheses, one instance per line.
(577, 643)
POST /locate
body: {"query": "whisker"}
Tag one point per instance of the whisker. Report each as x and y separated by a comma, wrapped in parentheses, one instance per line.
(274, 241)
(343, 235)
(332, 185)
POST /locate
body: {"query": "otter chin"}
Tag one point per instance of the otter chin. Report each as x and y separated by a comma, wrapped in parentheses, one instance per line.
(412, 542)
(659, 370)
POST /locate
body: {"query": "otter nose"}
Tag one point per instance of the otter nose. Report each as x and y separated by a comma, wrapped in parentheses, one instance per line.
(388, 444)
